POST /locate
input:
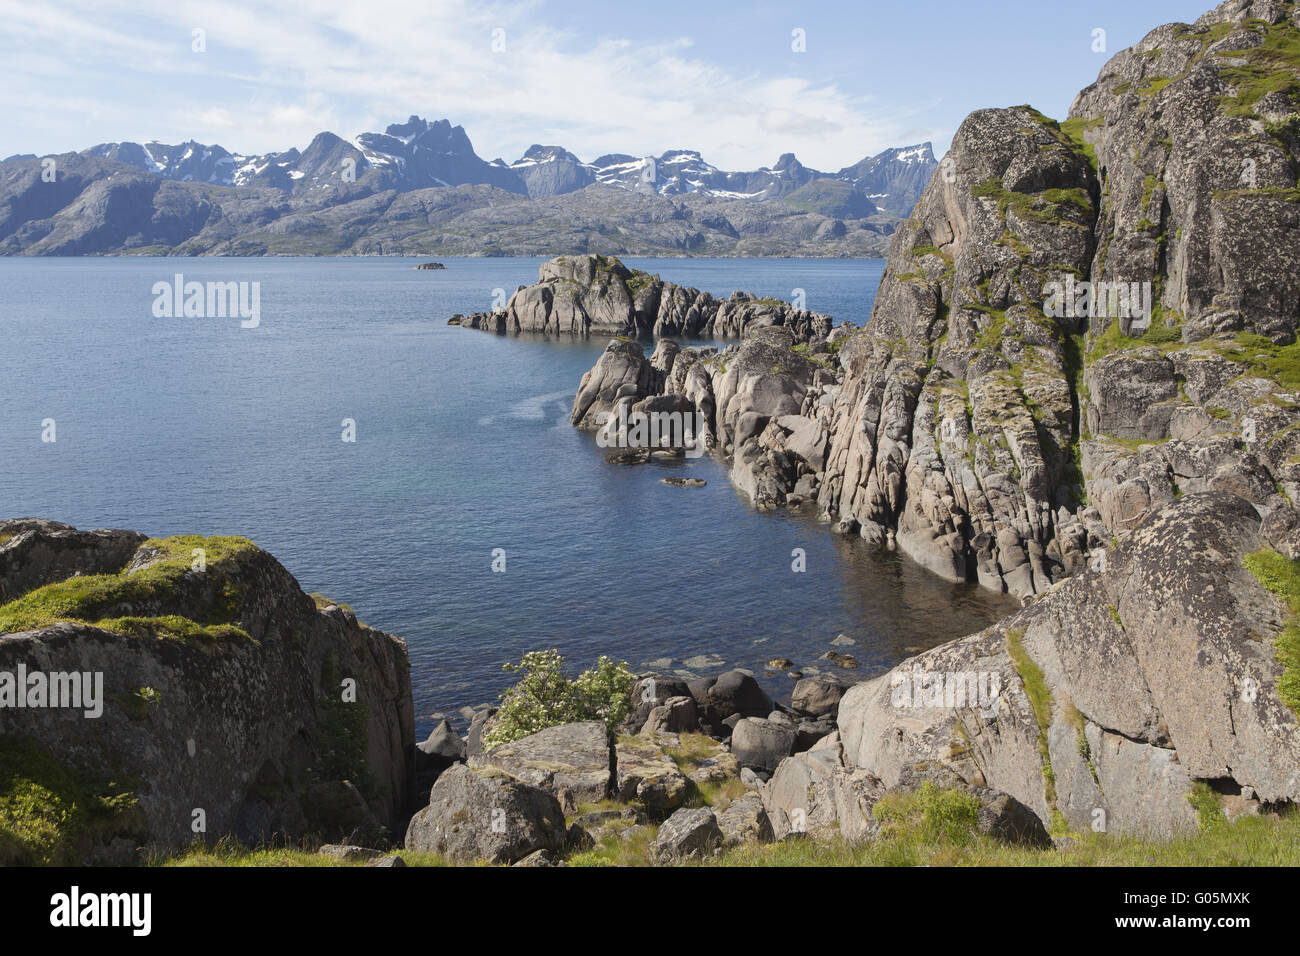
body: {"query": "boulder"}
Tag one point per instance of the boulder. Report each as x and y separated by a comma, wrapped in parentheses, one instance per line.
(818, 695)
(744, 820)
(809, 732)
(762, 744)
(675, 715)
(646, 773)
(571, 761)
(800, 797)
(473, 816)
(441, 748)
(349, 854)
(719, 768)
(687, 833)
(736, 692)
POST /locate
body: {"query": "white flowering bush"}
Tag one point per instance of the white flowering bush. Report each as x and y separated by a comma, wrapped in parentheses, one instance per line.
(546, 697)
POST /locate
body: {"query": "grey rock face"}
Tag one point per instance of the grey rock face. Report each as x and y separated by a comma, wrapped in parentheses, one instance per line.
(249, 727)
(994, 428)
(34, 552)
(473, 816)
(571, 761)
(1172, 619)
(673, 716)
(621, 370)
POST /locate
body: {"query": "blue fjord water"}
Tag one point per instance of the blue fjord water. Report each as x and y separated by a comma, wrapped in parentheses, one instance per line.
(462, 446)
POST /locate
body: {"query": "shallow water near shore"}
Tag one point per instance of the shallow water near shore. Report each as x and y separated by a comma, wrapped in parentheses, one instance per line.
(462, 446)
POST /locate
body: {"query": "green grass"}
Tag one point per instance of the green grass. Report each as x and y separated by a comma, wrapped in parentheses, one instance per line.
(1053, 202)
(1282, 577)
(930, 814)
(619, 849)
(1250, 841)
(1112, 339)
(227, 852)
(49, 812)
(926, 827)
(1209, 812)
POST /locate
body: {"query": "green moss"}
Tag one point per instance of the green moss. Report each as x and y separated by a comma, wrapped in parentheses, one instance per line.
(1267, 192)
(96, 598)
(1074, 130)
(1112, 339)
(1273, 67)
(173, 627)
(637, 281)
(1261, 357)
(1040, 699)
(342, 743)
(1153, 85)
(1282, 577)
(50, 815)
(1049, 206)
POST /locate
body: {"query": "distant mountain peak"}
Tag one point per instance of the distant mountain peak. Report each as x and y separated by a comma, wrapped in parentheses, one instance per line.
(421, 153)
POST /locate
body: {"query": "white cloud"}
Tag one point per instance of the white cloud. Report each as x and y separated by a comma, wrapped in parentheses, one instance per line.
(275, 73)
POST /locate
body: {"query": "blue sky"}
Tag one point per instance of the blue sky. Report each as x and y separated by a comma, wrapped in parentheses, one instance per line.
(593, 77)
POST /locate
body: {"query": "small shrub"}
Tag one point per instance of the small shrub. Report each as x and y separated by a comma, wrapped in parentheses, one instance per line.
(546, 697)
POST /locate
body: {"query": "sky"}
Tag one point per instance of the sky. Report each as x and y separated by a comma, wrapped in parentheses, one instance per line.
(727, 79)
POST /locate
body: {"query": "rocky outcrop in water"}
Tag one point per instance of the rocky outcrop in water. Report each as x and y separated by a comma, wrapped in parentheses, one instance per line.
(598, 295)
(232, 703)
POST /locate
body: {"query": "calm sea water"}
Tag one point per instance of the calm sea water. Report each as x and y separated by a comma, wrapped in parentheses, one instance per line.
(462, 446)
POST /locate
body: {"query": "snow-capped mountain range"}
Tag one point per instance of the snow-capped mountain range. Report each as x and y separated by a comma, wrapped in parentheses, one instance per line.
(419, 154)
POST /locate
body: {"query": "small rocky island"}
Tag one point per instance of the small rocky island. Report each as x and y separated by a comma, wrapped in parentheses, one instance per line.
(430, 265)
